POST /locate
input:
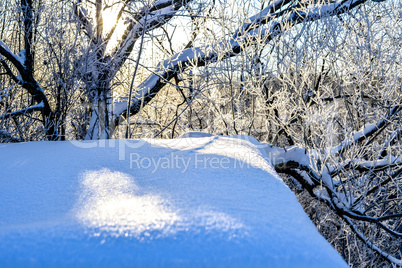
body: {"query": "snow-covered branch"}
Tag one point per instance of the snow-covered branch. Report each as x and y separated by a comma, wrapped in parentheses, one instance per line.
(85, 22)
(24, 64)
(25, 77)
(31, 109)
(6, 52)
(392, 139)
(367, 131)
(305, 167)
(148, 17)
(362, 237)
(366, 165)
(200, 56)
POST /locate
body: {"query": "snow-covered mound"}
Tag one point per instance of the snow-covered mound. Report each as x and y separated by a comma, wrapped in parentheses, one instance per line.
(193, 201)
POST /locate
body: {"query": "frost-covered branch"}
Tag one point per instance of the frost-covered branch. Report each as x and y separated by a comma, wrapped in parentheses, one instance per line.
(365, 240)
(9, 72)
(244, 37)
(366, 165)
(37, 107)
(305, 166)
(4, 135)
(367, 131)
(148, 18)
(85, 22)
(25, 77)
(391, 140)
(6, 52)
(24, 64)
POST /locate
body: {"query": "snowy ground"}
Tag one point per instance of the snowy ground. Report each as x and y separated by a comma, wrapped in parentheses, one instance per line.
(194, 201)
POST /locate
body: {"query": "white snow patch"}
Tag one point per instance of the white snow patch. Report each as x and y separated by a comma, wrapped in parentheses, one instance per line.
(107, 203)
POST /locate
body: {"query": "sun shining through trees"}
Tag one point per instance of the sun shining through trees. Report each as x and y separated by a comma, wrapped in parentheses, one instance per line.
(109, 18)
(110, 21)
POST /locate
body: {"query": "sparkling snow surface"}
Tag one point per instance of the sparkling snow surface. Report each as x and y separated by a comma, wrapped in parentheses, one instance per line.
(195, 201)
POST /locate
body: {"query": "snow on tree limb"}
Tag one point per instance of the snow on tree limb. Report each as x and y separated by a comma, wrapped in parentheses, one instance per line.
(81, 14)
(200, 56)
(98, 73)
(24, 63)
(37, 107)
(394, 136)
(371, 245)
(9, 55)
(25, 77)
(367, 131)
(302, 165)
(150, 17)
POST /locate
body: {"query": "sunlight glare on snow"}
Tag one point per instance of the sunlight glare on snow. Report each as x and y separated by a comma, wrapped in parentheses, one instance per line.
(109, 202)
(112, 204)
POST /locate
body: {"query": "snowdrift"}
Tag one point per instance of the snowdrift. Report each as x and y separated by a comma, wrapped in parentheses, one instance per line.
(195, 201)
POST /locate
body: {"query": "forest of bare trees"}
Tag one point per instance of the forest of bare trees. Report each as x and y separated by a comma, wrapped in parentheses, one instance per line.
(319, 83)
